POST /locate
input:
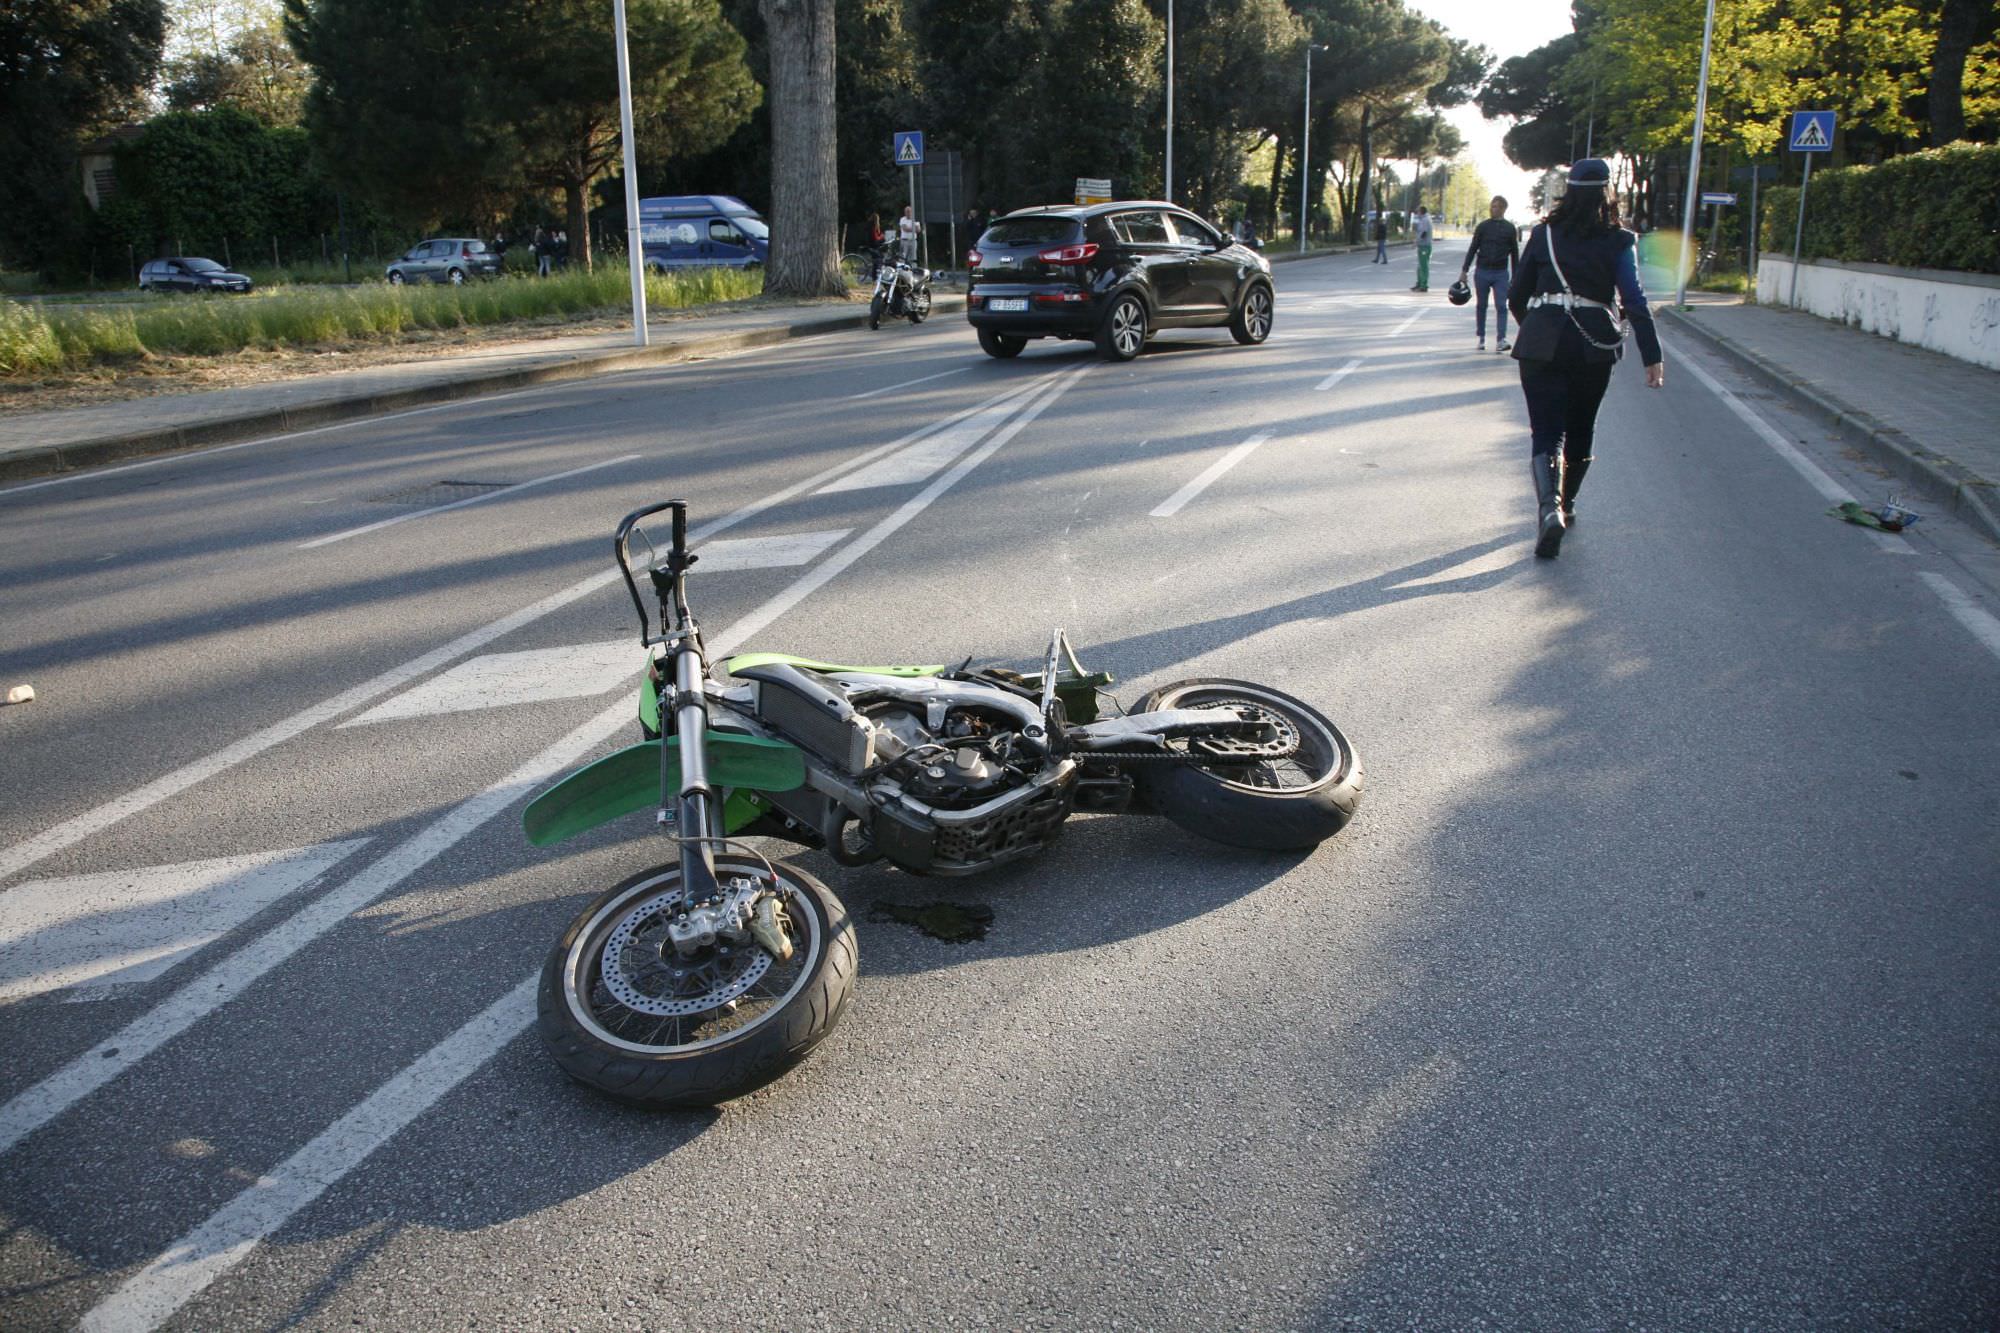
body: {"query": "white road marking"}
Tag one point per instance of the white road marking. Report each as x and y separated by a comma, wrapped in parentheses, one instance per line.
(460, 504)
(1339, 375)
(184, 455)
(937, 448)
(1417, 315)
(1179, 499)
(98, 933)
(177, 1275)
(891, 388)
(1984, 625)
(1793, 455)
(71, 831)
(149, 1297)
(501, 680)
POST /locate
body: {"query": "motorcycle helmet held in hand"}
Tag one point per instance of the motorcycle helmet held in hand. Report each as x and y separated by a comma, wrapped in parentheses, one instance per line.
(1458, 293)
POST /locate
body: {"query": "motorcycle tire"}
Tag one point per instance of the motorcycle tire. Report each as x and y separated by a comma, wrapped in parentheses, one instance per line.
(920, 307)
(875, 307)
(692, 1056)
(1290, 805)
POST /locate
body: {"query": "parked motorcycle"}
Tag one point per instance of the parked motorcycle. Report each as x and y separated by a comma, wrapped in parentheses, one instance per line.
(902, 291)
(704, 979)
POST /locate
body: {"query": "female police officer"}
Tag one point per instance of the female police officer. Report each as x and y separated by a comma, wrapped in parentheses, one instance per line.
(1568, 336)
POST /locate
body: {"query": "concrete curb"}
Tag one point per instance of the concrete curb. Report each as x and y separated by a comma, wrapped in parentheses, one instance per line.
(82, 454)
(1936, 478)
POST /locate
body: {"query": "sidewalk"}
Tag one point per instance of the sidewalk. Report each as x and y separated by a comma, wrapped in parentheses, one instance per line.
(1932, 421)
(36, 444)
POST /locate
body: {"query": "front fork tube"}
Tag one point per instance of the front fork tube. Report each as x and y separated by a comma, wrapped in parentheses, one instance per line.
(695, 804)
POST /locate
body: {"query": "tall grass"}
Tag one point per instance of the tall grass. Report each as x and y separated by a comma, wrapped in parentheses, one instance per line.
(44, 340)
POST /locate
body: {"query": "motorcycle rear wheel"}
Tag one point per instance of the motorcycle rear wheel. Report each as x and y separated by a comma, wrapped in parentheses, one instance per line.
(708, 1028)
(875, 307)
(1286, 805)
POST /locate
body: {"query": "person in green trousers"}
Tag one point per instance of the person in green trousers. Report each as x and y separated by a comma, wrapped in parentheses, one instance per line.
(1421, 228)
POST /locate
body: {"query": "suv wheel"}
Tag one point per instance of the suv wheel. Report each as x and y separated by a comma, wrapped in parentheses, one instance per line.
(1124, 331)
(1000, 345)
(456, 277)
(1252, 321)
(396, 278)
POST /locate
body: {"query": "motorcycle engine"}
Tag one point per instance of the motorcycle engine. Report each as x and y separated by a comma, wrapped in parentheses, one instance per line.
(953, 769)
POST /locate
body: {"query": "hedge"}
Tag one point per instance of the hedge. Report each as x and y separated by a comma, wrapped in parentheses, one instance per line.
(1935, 209)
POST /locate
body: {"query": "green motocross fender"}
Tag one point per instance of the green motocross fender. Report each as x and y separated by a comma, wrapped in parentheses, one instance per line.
(629, 780)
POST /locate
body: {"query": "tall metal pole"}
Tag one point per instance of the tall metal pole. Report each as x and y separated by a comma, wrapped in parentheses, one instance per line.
(1305, 149)
(1169, 196)
(1799, 233)
(635, 241)
(1693, 188)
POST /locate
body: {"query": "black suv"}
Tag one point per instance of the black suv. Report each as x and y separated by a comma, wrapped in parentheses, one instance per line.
(1112, 273)
(190, 275)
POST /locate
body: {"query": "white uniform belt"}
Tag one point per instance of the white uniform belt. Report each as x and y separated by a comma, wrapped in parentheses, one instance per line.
(1568, 300)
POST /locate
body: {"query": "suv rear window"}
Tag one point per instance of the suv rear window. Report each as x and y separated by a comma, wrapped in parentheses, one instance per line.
(475, 247)
(1031, 231)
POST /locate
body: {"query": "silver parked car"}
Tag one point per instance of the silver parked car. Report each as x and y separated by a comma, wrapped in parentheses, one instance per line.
(450, 259)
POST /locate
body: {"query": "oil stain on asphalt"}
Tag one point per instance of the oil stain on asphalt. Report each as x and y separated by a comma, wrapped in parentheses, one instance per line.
(958, 923)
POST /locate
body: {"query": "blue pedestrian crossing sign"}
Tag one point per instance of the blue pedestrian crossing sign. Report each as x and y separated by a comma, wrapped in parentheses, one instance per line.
(1812, 131)
(909, 148)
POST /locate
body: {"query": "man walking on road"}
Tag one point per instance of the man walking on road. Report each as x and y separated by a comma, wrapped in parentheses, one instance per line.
(1420, 227)
(1496, 249)
(1381, 239)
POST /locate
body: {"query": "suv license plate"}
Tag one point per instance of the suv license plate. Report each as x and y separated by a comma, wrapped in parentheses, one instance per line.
(1008, 303)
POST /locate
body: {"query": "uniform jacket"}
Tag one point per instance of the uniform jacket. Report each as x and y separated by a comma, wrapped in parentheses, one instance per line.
(1603, 268)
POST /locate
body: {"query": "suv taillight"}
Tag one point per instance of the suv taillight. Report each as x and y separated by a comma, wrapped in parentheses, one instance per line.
(465, 248)
(973, 259)
(1069, 254)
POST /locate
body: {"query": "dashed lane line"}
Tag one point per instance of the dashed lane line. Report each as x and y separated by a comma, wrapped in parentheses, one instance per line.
(1174, 503)
(176, 1276)
(515, 489)
(1339, 375)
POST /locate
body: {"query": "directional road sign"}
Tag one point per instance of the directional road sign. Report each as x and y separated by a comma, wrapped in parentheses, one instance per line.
(1812, 131)
(1717, 197)
(909, 148)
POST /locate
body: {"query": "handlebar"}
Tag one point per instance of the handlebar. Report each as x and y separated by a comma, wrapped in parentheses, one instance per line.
(678, 558)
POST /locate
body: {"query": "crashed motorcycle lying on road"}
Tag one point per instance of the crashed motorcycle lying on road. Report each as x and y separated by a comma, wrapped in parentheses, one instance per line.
(707, 978)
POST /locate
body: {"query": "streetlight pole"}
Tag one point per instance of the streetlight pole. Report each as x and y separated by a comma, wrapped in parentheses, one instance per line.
(635, 241)
(1693, 189)
(1305, 147)
(1170, 102)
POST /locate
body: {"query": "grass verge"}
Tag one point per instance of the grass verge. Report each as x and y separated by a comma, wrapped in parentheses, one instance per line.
(40, 340)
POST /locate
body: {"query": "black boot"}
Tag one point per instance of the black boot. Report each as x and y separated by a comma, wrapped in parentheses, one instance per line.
(1573, 470)
(1547, 469)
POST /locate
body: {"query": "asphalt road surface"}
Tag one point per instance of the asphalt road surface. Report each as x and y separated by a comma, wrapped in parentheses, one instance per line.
(1654, 985)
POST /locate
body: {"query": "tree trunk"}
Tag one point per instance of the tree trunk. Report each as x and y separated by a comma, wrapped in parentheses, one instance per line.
(805, 202)
(1958, 30)
(1367, 168)
(1277, 184)
(578, 224)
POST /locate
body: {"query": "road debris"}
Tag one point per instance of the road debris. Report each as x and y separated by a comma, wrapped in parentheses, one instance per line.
(21, 694)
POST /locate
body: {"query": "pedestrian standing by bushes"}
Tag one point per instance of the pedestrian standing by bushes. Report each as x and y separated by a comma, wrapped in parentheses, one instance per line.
(1496, 249)
(907, 231)
(1421, 229)
(544, 253)
(1574, 267)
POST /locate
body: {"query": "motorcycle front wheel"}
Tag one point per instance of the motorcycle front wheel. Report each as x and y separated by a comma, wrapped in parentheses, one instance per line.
(622, 1011)
(875, 308)
(1285, 804)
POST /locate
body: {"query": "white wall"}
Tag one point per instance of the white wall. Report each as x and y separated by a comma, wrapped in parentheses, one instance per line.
(1954, 313)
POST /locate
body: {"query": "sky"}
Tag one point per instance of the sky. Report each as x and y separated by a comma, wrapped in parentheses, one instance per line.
(1508, 28)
